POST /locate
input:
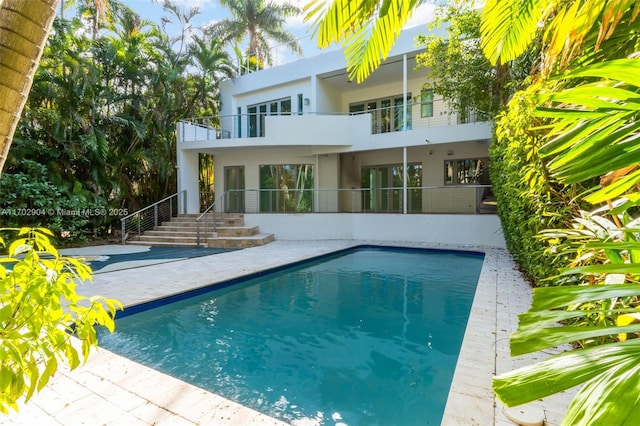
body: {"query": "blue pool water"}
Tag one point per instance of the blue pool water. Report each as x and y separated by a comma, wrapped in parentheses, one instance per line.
(366, 337)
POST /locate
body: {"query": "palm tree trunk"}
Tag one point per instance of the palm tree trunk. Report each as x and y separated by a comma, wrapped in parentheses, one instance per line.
(24, 28)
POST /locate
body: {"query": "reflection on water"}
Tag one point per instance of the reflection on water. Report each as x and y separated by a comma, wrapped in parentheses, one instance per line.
(366, 338)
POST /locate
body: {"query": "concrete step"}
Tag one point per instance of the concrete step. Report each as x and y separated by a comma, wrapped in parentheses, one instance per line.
(165, 231)
(237, 231)
(194, 225)
(161, 244)
(182, 231)
(152, 239)
(192, 217)
(241, 242)
(220, 221)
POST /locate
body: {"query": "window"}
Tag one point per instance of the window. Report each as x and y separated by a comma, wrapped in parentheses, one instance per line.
(386, 113)
(426, 103)
(399, 123)
(300, 103)
(382, 188)
(286, 188)
(253, 121)
(473, 171)
(258, 112)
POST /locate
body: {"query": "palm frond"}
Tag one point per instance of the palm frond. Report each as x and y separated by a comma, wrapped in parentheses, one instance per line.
(368, 29)
(510, 26)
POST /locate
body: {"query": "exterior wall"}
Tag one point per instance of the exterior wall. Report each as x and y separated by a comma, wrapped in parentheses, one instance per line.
(415, 81)
(318, 130)
(432, 158)
(337, 144)
(333, 170)
(344, 170)
(327, 175)
(474, 230)
(327, 98)
(253, 159)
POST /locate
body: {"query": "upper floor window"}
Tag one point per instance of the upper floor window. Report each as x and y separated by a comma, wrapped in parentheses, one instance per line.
(256, 114)
(387, 114)
(471, 171)
(426, 103)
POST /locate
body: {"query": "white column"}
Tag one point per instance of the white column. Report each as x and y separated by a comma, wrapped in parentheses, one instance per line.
(404, 92)
(316, 185)
(188, 178)
(404, 180)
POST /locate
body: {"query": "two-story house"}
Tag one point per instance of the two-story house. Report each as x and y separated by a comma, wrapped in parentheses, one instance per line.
(304, 152)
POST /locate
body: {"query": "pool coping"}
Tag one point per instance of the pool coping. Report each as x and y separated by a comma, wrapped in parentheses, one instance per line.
(111, 389)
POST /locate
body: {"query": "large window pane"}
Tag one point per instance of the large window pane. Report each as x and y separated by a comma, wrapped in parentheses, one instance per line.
(387, 114)
(285, 107)
(426, 103)
(263, 113)
(286, 188)
(398, 108)
(382, 188)
(253, 121)
(472, 171)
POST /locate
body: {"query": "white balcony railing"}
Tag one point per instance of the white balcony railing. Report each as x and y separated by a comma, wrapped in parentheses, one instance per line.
(383, 120)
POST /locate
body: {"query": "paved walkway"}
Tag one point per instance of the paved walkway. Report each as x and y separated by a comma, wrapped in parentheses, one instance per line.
(112, 390)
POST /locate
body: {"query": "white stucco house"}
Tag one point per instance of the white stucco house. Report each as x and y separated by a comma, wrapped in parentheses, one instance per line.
(306, 153)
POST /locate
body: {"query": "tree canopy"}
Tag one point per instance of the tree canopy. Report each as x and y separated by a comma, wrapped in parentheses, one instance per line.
(99, 123)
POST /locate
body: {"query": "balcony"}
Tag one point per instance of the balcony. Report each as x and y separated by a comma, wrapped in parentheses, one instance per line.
(334, 127)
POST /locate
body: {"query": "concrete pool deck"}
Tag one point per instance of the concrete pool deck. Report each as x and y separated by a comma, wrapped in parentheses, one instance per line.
(112, 390)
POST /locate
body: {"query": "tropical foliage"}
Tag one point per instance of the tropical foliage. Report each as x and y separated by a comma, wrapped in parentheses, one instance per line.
(40, 311)
(367, 29)
(101, 118)
(260, 21)
(529, 199)
(459, 70)
(586, 98)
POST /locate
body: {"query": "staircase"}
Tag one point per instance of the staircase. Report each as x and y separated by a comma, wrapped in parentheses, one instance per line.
(182, 231)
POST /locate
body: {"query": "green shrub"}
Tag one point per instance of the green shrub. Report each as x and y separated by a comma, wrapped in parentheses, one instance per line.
(30, 199)
(529, 201)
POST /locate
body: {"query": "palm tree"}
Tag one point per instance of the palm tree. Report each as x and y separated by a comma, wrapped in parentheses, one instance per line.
(213, 63)
(259, 20)
(24, 28)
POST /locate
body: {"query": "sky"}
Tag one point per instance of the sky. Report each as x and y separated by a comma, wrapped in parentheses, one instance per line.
(211, 12)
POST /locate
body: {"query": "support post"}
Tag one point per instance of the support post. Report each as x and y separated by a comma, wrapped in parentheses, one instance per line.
(404, 180)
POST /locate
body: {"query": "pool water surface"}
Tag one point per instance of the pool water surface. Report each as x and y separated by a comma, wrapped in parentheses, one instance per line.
(368, 336)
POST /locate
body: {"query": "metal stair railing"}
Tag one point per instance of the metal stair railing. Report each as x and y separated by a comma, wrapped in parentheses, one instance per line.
(151, 216)
(203, 219)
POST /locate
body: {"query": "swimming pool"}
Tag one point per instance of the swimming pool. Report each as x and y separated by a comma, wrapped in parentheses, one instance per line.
(366, 336)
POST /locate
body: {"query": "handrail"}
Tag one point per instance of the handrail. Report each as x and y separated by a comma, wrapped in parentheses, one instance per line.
(163, 209)
(204, 215)
(439, 199)
(150, 206)
(384, 119)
